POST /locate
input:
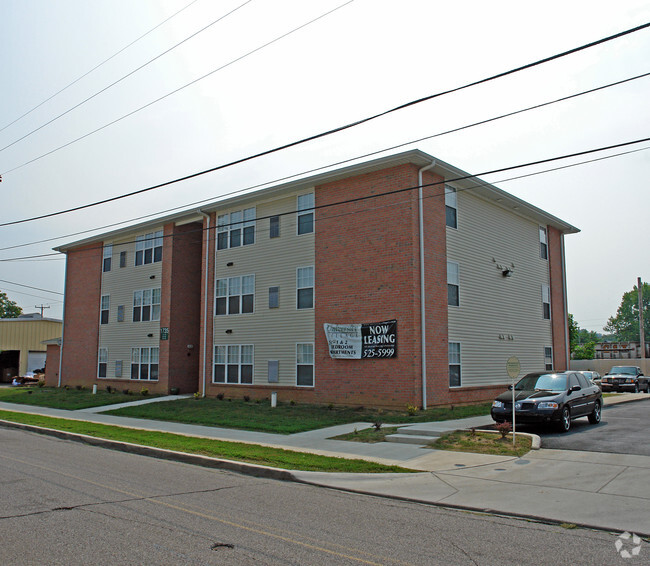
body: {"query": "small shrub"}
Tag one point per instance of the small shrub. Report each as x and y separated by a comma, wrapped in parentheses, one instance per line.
(377, 426)
(247, 398)
(504, 428)
(292, 402)
(144, 391)
(330, 407)
(126, 392)
(197, 395)
(174, 390)
(79, 387)
(412, 409)
(472, 432)
(220, 396)
(41, 382)
(66, 387)
(109, 389)
(258, 401)
(30, 391)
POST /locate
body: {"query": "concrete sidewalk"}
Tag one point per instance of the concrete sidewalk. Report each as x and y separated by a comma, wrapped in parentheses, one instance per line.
(605, 491)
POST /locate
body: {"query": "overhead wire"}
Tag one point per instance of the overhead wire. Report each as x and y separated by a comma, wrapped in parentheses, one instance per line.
(130, 73)
(337, 129)
(97, 66)
(415, 187)
(151, 103)
(338, 163)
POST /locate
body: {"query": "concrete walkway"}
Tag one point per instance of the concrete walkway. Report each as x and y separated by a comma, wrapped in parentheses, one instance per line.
(605, 491)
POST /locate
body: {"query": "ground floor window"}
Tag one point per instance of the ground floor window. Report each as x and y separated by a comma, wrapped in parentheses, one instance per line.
(548, 358)
(233, 364)
(305, 365)
(454, 364)
(103, 362)
(144, 363)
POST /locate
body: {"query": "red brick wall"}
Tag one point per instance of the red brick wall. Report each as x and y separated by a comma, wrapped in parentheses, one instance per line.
(558, 312)
(367, 270)
(184, 284)
(81, 314)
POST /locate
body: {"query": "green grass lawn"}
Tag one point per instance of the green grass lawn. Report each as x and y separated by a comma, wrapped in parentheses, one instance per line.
(237, 451)
(71, 399)
(285, 418)
(483, 443)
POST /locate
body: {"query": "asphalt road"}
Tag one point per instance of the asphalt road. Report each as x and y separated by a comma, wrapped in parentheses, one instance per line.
(67, 503)
(623, 429)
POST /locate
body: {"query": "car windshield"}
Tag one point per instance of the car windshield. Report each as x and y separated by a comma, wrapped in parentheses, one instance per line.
(625, 370)
(545, 382)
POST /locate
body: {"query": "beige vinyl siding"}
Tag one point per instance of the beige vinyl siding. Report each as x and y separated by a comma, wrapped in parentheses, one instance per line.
(120, 283)
(274, 261)
(26, 336)
(498, 316)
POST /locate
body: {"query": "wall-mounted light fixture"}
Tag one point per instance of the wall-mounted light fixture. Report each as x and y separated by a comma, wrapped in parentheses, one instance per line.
(150, 335)
(506, 270)
(229, 331)
(152, 277)
(230, 264)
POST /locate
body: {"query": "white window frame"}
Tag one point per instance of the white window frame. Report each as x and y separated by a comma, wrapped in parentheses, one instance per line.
(543, 243)
(453, 280)
(305, 208)
(274, 297)
(239, 290)
(548, 359)
(546, 300)
(236, 229)
(107, 258)
(104, 308)
(102, 363)
(148, 248)
(305, 359)
(149, 357)
(455, 360)
(274, 226)
(305, 279)
(236, 362)
(146, 301)
(451, 203)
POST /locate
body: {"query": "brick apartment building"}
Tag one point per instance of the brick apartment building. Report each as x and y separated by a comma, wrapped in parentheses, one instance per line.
(381, 284)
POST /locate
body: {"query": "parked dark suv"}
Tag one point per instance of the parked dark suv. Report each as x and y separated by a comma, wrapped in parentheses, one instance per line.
(625, 378)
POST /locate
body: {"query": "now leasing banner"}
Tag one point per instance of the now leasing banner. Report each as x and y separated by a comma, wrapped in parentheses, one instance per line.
(357, 341)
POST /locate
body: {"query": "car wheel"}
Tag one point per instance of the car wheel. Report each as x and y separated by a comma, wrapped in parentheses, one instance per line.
(565, 420)
(594, 417)
(636, 387)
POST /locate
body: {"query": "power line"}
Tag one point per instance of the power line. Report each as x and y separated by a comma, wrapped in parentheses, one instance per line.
(232, 193)
(411, 188)
(96, 67)
(151, 103)
(29, 287)
(125, 76)
(329, 132)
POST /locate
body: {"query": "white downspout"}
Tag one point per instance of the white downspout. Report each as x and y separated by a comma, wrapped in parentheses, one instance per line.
(205, 305)
(65, 284)
(423, 316)
(567, 345)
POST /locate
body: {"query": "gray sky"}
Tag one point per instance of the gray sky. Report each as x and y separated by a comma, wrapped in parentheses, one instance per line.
(364, 58)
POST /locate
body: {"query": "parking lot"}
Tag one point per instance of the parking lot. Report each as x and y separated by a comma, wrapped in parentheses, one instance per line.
(623, 430)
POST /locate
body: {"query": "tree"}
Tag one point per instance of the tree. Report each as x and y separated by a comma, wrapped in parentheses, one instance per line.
(584, 351)
(574, 329)
(8, 308)
(625, 325)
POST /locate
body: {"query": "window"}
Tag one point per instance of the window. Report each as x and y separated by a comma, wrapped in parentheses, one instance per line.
(233, 364)
(543, 243)
(108, 256)
(546, 302)
(306, 213)
(305, 365)
(118, 368)
(122, 259)
(235, 295)
(146, 305)
(274, 371)
(148, 248)
(274, 297)
(144, 363)
(548, 358)
(305, 287)
(454, 364)
(120, 313)
(274, 230)
(103, 362)
(236, 229)
(105, 306)
(453, 284)
(582, 380)
(451, 208)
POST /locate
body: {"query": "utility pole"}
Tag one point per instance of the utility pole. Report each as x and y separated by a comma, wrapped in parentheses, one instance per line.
(42, 308)
(641, 330)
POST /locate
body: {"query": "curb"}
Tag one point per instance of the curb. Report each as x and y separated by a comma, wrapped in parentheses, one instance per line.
(255, 470)
(535, 440)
